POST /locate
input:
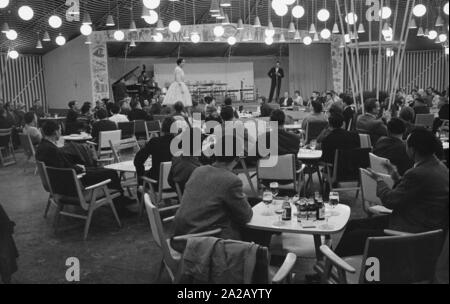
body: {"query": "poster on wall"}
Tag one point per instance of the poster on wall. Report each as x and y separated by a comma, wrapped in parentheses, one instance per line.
(99, 70)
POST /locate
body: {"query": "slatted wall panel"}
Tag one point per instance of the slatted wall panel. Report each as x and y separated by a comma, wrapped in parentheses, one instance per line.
(420, 68)
(22, 80)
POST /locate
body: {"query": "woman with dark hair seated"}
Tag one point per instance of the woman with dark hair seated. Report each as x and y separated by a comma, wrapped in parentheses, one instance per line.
(73, 126)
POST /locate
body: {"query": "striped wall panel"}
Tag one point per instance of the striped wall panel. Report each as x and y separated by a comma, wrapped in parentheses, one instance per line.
(22, 80)
(420, 69)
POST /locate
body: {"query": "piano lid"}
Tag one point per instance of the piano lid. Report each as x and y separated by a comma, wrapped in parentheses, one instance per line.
(128, 76)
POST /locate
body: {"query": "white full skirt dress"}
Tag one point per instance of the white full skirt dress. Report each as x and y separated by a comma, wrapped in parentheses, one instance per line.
(178, 91)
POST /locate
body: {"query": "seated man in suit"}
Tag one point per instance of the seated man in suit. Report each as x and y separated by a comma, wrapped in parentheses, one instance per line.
(419, 200)
(286, 100)
(288, 142)
(213, 198)
(369, 122)
(102, 125)
(52, 156)
(337, 139)
(393, 147)
(420, 106)
(137, 113)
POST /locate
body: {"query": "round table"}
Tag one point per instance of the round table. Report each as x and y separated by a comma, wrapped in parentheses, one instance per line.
(308, 154)
(128, 166)
(77, 137)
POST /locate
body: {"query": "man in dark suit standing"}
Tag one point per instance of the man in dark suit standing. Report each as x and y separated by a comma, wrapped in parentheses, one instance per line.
(276, 74)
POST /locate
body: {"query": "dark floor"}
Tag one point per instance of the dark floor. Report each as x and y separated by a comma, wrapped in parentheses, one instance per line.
(124, 255)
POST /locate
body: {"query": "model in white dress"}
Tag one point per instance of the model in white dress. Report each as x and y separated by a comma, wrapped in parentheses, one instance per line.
(178, 90)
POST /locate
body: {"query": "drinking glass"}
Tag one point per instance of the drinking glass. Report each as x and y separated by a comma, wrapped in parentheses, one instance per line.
(267, 200)
(280, 221)
(334, 201)
(274, 189)
(313, 144)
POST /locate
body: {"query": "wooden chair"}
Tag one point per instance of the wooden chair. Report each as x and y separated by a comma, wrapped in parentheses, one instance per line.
(313, 129)
(7, 155)
(370, 202)
(344, 173)
(241, 167)
(172, 259)
(365, 141)
(66, 189)
(377, 164)
(46, 185)
(160, 118)
(403, 259)
(164, 190)
(141, 132)
(127, 128)
(117, 147)
(284, 170)
(103, 148)
(425, 120)
(28, 149)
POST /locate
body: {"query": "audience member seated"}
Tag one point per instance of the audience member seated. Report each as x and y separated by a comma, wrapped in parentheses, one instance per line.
(158, 148)
(213, 198)
(116, 116)
(5, 123)
(229, 103)
(73, 126)
(37, 109)
(419, 200)
(197, 108)
(369, 122)
(73, 107)
(393, 147)
(349, 111)
(137, 113)
(288, 142)
(337, 139)
(408, 116)
(316, 115)
(102, 125)
(52, 156)
(19, 114)
(420, 107)
(31, 129)
(210, 108)
(298, 99)
(184, 165)
(125, 107)
(86, 118)
(265, 110)
(286, 100)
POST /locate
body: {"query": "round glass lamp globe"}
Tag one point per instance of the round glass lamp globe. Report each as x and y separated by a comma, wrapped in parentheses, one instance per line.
(86, 29)
(307, 40)
(60, 40)
(419, 10)
(152, 4)
(195, 37)
(11, 35)
(351, 18)
(26, 12)
(13, 54)
(4, 3)
(323, 15)
(219, 31)
(298, 11)
(325, 34)
(55, 21)
(119, 35)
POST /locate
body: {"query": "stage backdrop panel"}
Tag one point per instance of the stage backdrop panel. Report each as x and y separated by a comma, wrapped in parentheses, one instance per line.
(310, 68)
(231, 73)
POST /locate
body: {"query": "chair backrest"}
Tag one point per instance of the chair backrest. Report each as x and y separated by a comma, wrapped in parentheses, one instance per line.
(27, 145)
(158, 234)
(42, 170)
(118, 146)
(350, 123)
(284, 170)
(369, 189)
(160, 118)
(107, 136)
(64, 182)
(365, 141)
(153, 126)
(5, 137)
(140, 128)
(403, 259)
(348, 162)
(425, 120)
(314, 128)
(377, 163)
(127, 129)
(164, 175)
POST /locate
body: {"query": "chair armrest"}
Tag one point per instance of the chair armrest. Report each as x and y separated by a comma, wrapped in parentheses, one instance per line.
(189, 236)
(79, 176)
(149, 180)
(301, 169)
(336, 260)
(91, 143)
(168, 219)
(396, 233)
(285, 269)
(104, 183)
(105, 160)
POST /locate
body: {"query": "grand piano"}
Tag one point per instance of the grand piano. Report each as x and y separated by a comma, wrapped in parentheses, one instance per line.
(135, 86)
